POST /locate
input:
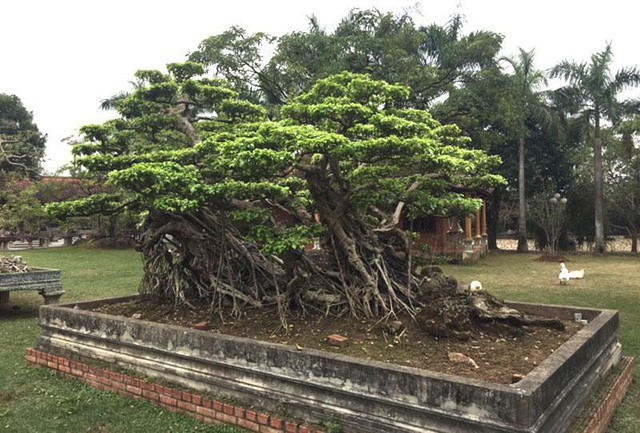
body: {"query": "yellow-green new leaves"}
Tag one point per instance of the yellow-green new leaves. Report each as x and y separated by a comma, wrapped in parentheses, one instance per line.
(385, 150)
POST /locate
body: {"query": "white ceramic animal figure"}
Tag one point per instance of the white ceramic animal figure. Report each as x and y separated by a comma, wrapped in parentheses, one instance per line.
(564, 274)
(475, 286)
(576, 274)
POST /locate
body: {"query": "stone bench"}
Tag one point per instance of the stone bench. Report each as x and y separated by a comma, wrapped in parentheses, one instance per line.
(47, 282)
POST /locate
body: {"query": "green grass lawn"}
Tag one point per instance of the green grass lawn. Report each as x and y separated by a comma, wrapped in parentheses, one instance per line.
(37, 400)
(610, 282)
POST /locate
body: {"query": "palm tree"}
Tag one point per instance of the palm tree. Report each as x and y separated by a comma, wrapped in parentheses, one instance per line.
(528, 98)
(594, 89)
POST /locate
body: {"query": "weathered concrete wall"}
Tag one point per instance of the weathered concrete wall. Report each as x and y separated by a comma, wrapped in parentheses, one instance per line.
(361, 395)
(48, 282)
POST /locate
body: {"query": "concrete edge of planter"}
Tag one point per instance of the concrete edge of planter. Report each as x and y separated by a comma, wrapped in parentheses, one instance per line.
(549, 396)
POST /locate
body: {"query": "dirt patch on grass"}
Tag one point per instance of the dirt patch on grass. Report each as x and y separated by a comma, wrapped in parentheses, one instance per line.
(7, 396)
(552, 258)
(498, 350)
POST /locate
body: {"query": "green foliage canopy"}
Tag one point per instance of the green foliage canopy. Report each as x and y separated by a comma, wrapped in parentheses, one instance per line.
(357, 131)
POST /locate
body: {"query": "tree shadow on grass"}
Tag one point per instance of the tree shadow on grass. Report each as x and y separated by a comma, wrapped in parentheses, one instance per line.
(21, 308)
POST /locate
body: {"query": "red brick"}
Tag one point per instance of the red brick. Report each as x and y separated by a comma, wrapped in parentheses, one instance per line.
(172, 408)
(217, 406)
(263, 418)
(159, 389)
(226, 418)
(52, 364)
(92, 383)
(77, 372)
(117, 385)
(104, 380)
(65, 362)
(151, 395)
(206, 411)
(187, 406)
(207, 402)
(290, 427)
(201, 325)
(31, 359)
(249, 425)
(197, 399)
(228, 409)
(251, 415)
(135, 390)
(208, 420)
(337, 340)
(239, 412)
(276, 422)
(267, 429)
(65, 369)
(169, 401)
(304, 429)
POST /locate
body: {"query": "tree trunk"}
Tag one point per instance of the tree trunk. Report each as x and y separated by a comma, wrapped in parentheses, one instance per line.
(523, 246)
(375, 279)
(634, 240)
(598, 176)
(201, 257)
(494, 218)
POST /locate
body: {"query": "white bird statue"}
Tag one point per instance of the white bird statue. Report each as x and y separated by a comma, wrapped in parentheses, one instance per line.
(564, 274)
(475, 286)
(576, 274)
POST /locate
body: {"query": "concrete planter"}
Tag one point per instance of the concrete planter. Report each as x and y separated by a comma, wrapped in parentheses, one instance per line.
(47, 282)
(359, 395)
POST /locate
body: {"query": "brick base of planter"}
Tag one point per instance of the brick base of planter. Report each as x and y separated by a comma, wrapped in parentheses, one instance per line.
(606, 407)
(201, 407)
(211, 411)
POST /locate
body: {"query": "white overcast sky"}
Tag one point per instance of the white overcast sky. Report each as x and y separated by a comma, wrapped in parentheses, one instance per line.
(63, 57)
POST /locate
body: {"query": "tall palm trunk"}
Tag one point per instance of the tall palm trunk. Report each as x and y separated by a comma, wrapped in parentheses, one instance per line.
(598, 177)
(523, 246)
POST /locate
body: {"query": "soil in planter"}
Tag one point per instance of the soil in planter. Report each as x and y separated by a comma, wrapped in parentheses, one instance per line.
(499, 351)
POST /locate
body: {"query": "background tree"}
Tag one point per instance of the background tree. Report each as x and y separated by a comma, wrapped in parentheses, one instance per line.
(624, 187)
(431, 60)
(483, 109)
(593, 92)
(548, 210)
(21, 143)
(527, 83)
(22, 213)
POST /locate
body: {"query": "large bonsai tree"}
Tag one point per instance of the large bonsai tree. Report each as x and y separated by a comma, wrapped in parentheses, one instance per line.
(230, 199)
